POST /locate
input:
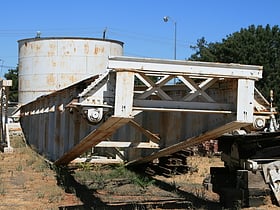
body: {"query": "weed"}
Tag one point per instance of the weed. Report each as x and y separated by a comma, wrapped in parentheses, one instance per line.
(95, 179)
(30, 161)
(40, 195)
(19, 167)
(99, 176)
(2, 189)
(17, 142)
(122, 172)
(143, 182)
(40, 165)
(85, 166)
(23, 150)
(54, 195)
(119, 171)
(45, 175)
(211, 160)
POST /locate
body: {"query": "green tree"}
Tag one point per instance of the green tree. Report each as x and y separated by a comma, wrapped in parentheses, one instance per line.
(13, 75)
(255, 45)
(203, 51)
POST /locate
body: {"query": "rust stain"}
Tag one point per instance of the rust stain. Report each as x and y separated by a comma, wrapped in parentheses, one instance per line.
(24, 83)
(50, 53)
(98, 50)
(51, 79)
(86, 48)
(37, 47)
(68, 78)
(65, 51)
(52, 50)
(73, 79)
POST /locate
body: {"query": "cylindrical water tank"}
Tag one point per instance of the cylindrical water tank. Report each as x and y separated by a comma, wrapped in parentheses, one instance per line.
(50, 64)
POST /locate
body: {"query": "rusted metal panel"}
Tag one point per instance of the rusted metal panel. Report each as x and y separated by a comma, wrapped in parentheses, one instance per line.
(202, 106)
(50, 126)
(50, 64)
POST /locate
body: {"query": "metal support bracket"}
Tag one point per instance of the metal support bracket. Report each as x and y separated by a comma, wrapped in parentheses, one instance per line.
(272, 177)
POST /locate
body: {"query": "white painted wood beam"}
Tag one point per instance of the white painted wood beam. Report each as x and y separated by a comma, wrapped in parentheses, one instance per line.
(191, 68)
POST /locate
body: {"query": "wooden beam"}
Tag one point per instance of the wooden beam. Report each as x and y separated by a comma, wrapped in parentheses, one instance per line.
(213, 134)
(96, 160)
(191, 68)
(102, 132)
(126, 144)
(147, 133)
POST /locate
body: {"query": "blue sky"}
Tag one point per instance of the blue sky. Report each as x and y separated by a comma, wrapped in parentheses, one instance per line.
(139, 23)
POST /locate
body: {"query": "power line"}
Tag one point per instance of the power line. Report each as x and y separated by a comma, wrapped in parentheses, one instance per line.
(7, 67)
(97, 31)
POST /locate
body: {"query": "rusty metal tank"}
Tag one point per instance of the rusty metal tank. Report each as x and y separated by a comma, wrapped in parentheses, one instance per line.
(50, 64)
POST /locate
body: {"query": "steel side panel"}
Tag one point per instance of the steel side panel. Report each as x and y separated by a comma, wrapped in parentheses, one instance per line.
(50, 64)
(124, 94)
(245, 100)
(49, 129)
(96, 136)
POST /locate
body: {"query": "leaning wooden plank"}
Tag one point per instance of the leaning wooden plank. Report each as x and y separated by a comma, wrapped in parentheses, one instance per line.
(146, 132)
(122, 144)
(190, 142)
(96, 160)
(105, 130)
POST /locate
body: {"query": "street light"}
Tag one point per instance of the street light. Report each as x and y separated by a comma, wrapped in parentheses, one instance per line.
(2, 64)
(166, 19)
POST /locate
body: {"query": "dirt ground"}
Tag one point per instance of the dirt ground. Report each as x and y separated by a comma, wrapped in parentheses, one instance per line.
(28, 182)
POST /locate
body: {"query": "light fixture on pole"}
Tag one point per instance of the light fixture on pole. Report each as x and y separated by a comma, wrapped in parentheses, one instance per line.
(1, 66)
(166, 19)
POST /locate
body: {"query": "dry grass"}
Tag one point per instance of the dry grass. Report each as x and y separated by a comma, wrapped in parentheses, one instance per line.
(192, 182)
(27, 182)
(203, 165)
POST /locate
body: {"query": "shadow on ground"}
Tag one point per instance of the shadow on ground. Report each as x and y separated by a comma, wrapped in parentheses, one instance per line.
(66, 180)
(197, 203)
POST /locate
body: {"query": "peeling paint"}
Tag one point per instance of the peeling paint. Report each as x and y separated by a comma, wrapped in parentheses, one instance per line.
(59, 62)
(51, 79)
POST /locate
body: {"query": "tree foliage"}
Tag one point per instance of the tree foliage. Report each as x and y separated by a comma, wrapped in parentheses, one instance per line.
(13, 75)
(255, 45)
